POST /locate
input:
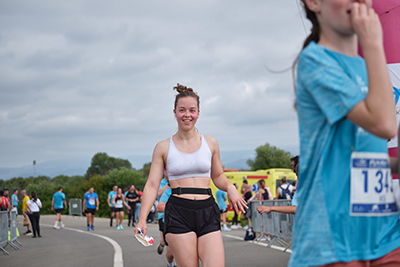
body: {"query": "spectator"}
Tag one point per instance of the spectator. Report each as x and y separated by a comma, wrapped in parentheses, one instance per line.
(34, 205)
(27, 223)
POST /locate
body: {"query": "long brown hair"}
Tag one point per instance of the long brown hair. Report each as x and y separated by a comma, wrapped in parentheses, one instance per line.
(315, 30)
(314, 36)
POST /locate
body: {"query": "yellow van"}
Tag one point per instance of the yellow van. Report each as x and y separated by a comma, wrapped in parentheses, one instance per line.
(272, 178)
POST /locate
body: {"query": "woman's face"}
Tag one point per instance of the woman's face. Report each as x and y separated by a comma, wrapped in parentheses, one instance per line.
(335, 15)
(119, 191)
(187, 112)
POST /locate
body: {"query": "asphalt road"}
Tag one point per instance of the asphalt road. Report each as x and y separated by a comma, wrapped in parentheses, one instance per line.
(75, 246)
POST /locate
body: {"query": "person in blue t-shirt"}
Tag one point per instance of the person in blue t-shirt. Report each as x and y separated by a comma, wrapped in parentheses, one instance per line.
(110, 204)
(57, 204)
(15, 201)
(347, 212)
(223, 207)
(160, 210)
(91, 203)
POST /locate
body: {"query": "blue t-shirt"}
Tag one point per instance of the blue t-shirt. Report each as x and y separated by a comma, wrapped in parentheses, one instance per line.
(111, 195)
(162, 184)
(14, 200)
(164, 198)
(59, 200)
(328, 86)
(91, 200)
(294, 200)
(220, 196)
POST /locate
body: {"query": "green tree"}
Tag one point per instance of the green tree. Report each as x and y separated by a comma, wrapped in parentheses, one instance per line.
(269, 157)
(146, 169)
(102, 164)
(124, 177)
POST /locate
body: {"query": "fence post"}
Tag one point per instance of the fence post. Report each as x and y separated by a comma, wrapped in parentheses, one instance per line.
(13, 230)
(75, 206)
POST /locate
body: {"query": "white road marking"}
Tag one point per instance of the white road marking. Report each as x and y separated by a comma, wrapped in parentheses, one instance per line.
(258, 243)
(118, 260)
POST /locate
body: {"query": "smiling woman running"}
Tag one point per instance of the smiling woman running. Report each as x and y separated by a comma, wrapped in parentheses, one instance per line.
(192, 218)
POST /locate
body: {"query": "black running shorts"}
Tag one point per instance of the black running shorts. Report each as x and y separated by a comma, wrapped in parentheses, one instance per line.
(59, 210)
(91, 211)
(161, 225)
(186, 215)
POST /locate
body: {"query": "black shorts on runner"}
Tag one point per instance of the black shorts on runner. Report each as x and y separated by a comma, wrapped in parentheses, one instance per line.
(223, 211)
(118, 209)
(185, 215)
(59, 210)
(161, 225)
(112, 209)
(91, 211)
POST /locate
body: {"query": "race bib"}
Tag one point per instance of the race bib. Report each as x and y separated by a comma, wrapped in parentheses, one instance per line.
(119, 202)
(92, 202)
(371, 192)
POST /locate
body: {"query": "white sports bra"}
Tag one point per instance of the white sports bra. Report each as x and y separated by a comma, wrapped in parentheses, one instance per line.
(181, 165)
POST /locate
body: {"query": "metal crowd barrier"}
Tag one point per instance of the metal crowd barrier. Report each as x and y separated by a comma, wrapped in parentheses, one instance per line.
(75, 206)
(278, 225)
(3, 231)
(13, 231)
(8, 231)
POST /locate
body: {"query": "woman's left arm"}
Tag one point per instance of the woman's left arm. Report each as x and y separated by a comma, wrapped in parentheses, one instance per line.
(220, 180)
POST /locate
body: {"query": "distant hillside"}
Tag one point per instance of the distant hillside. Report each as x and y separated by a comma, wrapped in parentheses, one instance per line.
(229, 159)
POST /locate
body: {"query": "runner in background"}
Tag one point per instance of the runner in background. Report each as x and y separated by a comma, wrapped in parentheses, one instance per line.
(347, 214)
(235, 222)
(119, 202)
(223, 207)
(110, 198)
(91, 203)
(131, 197)
(160, 209)
(57, 204)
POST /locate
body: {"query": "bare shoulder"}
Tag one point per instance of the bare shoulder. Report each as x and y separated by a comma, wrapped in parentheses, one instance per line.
(161, 148)
(212, 143)
(211, 140)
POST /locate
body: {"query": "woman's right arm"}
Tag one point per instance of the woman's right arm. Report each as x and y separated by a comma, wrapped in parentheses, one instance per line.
(152, 184)
(377, 113)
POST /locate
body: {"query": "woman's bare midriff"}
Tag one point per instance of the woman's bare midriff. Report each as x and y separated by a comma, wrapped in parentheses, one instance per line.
(192, 182)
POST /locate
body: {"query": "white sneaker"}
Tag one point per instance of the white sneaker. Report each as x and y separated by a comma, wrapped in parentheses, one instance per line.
(234, 227)
(62, 225)
(226, 229)
(239, 226)
(246, 227)
(56, 227)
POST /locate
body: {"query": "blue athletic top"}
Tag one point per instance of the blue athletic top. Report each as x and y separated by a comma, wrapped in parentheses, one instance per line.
(220, 196)
(164, 198)
(326, 229)
(14, 200)
(111, 195)
(91, 200)
(294, 199)
(59, 200)
(162, 184)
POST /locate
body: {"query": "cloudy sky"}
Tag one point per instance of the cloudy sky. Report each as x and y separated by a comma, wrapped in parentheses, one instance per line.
(81, 77)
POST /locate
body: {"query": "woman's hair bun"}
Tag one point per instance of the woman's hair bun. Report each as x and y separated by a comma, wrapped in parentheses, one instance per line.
(181, 88)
